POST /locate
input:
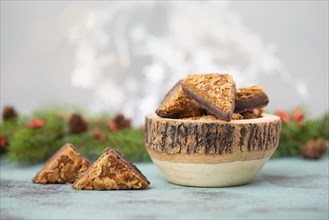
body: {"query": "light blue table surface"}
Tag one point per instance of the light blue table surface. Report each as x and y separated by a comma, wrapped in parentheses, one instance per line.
(291, 188)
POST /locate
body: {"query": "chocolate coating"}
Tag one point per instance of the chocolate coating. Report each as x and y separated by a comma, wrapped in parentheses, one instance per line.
(257, 101)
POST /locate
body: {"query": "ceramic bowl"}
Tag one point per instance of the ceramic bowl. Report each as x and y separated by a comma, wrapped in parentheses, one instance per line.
(208, 152)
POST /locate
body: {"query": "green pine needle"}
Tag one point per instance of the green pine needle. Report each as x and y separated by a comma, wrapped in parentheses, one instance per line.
(32, 145)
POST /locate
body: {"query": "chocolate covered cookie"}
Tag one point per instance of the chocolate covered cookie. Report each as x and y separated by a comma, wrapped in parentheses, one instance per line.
(176, 104)
(112, 171)
(65, 166)
(214, 92)
(248, 98)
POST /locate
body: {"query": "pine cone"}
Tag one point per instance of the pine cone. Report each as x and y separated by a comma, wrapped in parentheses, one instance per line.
(8, 113)
(314, 149)
(77, 124)
(121, 121)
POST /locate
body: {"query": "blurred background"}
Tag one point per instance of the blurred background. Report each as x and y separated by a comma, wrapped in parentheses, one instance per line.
(112, 57)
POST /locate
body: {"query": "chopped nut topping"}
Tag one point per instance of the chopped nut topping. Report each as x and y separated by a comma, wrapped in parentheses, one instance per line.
(247, 92)
(64, 167)
(177, 105)
(237, 116)
(215, 92)
(254, 113)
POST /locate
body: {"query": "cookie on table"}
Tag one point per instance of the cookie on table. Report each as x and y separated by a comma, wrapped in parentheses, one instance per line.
(177, 105)
(111, 171)
(249, 98)
(65, 166)
(214, 92)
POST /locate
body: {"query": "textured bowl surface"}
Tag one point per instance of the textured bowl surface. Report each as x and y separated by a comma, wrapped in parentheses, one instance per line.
(208, 152)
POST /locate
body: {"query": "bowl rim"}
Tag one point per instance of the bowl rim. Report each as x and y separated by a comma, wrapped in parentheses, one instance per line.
(266, 117)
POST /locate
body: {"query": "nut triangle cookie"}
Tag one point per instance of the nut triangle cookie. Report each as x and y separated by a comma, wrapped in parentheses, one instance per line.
(65, 166)
(111, 171)
(176, 104)
(249, 98)
(214, 92)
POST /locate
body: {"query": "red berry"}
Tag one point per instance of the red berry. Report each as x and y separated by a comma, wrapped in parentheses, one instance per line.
(37, 123)
(100, 136)
(112, 126)
(283, 115)
(3, 142)
(298, 116)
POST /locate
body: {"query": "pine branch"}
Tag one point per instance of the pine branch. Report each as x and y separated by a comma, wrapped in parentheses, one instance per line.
(36, 138)
(31, 145)
(296, 132)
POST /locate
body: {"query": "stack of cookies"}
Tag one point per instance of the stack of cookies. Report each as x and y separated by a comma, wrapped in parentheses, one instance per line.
(212, 94)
